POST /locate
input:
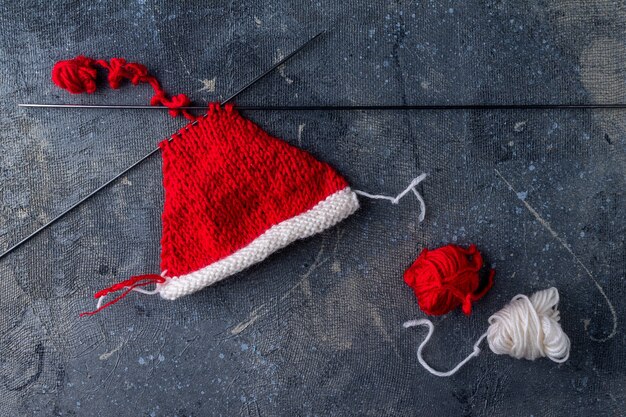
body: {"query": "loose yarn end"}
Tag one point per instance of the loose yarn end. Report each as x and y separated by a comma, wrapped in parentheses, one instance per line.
(79, 75)
(526, 328)
(395, 200)
(133, 284)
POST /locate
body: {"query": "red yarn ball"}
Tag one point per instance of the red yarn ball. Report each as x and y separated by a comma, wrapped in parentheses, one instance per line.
(447, 277)
(76, 75)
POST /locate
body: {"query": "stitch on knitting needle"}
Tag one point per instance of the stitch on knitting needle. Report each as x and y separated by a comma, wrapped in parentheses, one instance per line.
(85, 64)
(567, 247)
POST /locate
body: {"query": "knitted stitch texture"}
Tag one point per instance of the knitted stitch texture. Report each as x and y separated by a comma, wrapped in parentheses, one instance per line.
(228, 184)
(233, 193)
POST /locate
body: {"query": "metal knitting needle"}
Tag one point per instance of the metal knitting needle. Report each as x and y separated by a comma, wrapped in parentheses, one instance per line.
(346, 108)
(97, 190)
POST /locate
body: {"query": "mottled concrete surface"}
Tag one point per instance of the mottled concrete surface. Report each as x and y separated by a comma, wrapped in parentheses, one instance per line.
(316, 329)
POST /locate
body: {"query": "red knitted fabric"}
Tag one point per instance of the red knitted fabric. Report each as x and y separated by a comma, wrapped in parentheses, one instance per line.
(233, 194)
(227, 182)
(447, 277)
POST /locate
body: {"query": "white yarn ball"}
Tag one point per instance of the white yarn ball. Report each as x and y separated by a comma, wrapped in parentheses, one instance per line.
(528, 327)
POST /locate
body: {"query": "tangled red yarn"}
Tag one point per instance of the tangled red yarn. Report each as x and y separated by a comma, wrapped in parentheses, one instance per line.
(76, 75)
(447, 277)
(79, 76)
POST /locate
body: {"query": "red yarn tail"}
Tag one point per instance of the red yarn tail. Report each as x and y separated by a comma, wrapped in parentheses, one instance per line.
(79, 75)
(129, 285)
(470, 298)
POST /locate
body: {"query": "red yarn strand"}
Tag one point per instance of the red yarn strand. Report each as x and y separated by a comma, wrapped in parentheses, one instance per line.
(129, 285)
(79, 76)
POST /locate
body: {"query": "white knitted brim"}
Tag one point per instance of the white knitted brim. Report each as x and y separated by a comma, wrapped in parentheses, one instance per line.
(325, 214)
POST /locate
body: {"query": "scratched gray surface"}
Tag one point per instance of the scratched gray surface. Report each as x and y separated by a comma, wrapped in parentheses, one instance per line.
(316, 329)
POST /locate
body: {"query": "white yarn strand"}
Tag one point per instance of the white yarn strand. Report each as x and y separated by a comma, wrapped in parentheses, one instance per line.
(99, 303)
(526, 328)
(137, 289)
(431, 329)
(147, 292)
(396, 199)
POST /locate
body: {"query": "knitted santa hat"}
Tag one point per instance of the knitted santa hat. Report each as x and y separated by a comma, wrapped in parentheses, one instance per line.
(233, 193)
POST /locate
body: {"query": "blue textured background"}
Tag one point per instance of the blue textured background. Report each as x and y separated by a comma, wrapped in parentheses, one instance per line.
(316, 329)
